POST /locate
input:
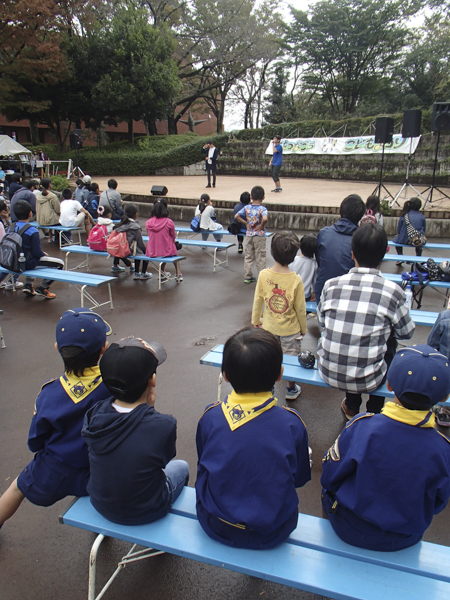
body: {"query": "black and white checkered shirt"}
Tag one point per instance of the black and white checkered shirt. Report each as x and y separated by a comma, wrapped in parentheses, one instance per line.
(358, 312)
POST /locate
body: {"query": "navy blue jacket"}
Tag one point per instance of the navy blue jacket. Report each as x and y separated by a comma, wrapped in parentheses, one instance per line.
(417, 220)
(31, 244)
(334, 252)
(22, 194)
(127, 455)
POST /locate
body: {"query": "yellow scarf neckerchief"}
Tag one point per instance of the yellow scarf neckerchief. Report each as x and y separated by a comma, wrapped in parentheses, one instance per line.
(242, 408)
(416, 418)
(77, 388)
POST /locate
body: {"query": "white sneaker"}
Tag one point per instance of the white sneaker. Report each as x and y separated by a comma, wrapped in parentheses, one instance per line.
(10, 286)
(293, 394)
(146, 276)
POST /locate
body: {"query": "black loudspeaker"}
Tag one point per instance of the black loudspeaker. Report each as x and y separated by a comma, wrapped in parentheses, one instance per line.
(159, 190)
(412, 120)
(440, 121)
(384, 130)
(76, 139)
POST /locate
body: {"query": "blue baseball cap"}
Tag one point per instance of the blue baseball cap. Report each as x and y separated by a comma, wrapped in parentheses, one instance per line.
(420, 370)
(82, 328)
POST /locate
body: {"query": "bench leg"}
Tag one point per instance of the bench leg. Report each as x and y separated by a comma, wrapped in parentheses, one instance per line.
(2, 339)
(131, 556)
(92, 300)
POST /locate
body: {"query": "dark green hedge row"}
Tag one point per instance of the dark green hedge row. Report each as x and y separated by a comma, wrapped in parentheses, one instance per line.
(145, 163)
(354, 126)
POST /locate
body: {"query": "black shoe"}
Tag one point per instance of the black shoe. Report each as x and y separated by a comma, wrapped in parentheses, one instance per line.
(208, 186)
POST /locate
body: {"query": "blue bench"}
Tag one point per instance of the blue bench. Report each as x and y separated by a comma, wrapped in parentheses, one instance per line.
(220, 232)
(159, 260)
(64, 239)
(412, 259)
(438, 285)
(293, 372)
(79, 280)
(313, 558)
(420, 317)
(210, 247)
(427, 245)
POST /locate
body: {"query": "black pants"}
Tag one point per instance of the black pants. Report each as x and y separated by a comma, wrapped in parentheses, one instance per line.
(211, 169)
(418, 250)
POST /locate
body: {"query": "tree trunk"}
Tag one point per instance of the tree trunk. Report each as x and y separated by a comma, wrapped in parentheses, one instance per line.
(172, 125)
(34, 133)
(151, 125)
(130, 131)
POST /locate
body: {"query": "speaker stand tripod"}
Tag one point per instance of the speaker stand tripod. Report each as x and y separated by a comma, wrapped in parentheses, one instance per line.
(406, 183)
(77, 173)
(433, 187)
(380, 186)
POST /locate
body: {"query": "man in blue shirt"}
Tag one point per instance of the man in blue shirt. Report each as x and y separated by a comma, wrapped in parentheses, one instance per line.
(276, 161)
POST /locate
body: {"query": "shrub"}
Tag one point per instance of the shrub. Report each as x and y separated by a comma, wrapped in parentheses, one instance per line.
(59, 182)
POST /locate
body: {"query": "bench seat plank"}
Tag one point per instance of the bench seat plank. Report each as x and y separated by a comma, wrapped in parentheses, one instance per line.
(436, 245)
(289, 564)
(412, 259)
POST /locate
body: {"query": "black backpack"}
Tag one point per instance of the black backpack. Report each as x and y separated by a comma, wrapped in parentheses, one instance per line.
(11, 247)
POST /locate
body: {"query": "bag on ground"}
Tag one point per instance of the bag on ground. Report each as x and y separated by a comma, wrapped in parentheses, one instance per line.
(11, 248)
(97, 238)
(435, 272)
(195, 223)
(117, 245)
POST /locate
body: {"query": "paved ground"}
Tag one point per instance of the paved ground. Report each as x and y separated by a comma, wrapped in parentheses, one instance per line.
(42, 560)
(309, 192)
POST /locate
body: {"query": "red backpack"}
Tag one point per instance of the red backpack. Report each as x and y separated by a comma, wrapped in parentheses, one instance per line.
(117, 245)
(97, 238)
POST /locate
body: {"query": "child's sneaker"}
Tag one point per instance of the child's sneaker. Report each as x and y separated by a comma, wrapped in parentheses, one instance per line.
(10, 286)
(240, 249)
(137, 276)
(349, 414)
(117, 269)
(179, 277)
(41, 291)
(131, 268)
(145, 276)
(250, 280)
(294, 393)
(165, 275)
(28, 289)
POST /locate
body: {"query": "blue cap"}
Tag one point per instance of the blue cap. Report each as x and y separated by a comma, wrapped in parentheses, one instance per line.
(82, 328)
(420, 370)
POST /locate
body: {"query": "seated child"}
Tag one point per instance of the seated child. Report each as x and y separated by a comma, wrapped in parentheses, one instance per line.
(105, 218)
(387, 474)
(73, 214)
(439, 339)
(305, 265)
(134, 479)
(281, 292)
(60, 466)
(252, 454)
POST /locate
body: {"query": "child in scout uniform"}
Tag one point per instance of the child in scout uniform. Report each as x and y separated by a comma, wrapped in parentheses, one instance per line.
(252, 454)
(60, 466)
(388, 474)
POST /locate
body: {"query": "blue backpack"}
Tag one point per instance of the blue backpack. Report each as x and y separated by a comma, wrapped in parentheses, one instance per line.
(195, 223)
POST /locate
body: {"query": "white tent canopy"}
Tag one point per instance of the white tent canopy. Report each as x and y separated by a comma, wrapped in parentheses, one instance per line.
(9, 146)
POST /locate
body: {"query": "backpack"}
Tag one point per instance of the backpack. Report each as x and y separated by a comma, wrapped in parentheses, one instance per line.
(98, 237)
(11, 248)
(415, 238)
(91, 204)
(434, 271)
(195, 223)
(117, 245)
(369, 217)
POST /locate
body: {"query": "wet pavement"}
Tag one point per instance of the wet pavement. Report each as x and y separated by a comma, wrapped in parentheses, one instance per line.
(43, 560)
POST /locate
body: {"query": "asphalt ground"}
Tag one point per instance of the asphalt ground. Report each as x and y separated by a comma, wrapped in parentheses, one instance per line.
(43, 560)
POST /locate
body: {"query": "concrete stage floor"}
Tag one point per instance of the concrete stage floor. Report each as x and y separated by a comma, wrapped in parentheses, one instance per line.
(42, 560)
(307, 192)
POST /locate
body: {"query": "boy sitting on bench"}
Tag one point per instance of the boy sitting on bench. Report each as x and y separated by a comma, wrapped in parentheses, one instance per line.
(252, 454)
(388, 474)
(60, 466)
(134, 479)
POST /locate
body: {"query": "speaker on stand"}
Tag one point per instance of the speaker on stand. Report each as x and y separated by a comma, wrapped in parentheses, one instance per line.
(440, 121)
(76, 142)
(384, 132)
(412, 120)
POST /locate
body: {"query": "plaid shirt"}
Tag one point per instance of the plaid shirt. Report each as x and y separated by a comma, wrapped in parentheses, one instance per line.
(359, 312)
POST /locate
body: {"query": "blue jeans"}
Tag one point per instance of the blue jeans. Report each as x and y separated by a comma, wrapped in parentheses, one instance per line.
(177, 473)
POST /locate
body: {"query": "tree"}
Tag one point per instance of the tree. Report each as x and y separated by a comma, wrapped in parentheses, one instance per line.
(249, 92)
(280, 105)
(348, 46)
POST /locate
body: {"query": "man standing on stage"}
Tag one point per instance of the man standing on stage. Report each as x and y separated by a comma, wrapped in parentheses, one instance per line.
(276, 161)
(211, 157)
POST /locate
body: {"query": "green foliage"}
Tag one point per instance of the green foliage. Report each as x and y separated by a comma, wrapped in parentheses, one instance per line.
(280, 106)
(161, 143)
(385, 208)
(59, 182)
(145, 163)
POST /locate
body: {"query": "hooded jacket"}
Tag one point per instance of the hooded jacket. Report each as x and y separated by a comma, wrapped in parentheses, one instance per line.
(134, 234)
(334, 252)
(127, 455)
(161, 237)
(47, 209)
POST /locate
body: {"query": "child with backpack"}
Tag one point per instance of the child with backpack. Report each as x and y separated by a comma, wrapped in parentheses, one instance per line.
(98, 235)
(92, 201)
(132, 239)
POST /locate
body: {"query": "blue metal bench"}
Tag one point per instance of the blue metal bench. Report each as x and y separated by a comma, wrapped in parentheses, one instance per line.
(292, 372)
(412, 259)
(210, 247)
(420, 317)
(79, 280)
(220, 232)
(427, 245)
(64, 239)
(313, 558)
(159, 260)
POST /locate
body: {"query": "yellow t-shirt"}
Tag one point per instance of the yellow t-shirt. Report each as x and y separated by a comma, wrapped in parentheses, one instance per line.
(284, 299)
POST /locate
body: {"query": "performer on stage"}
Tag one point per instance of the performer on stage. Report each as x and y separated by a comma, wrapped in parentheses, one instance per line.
(276, 161)
(211, 157)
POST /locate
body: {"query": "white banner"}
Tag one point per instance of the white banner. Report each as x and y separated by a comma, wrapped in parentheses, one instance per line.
(346, 145)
